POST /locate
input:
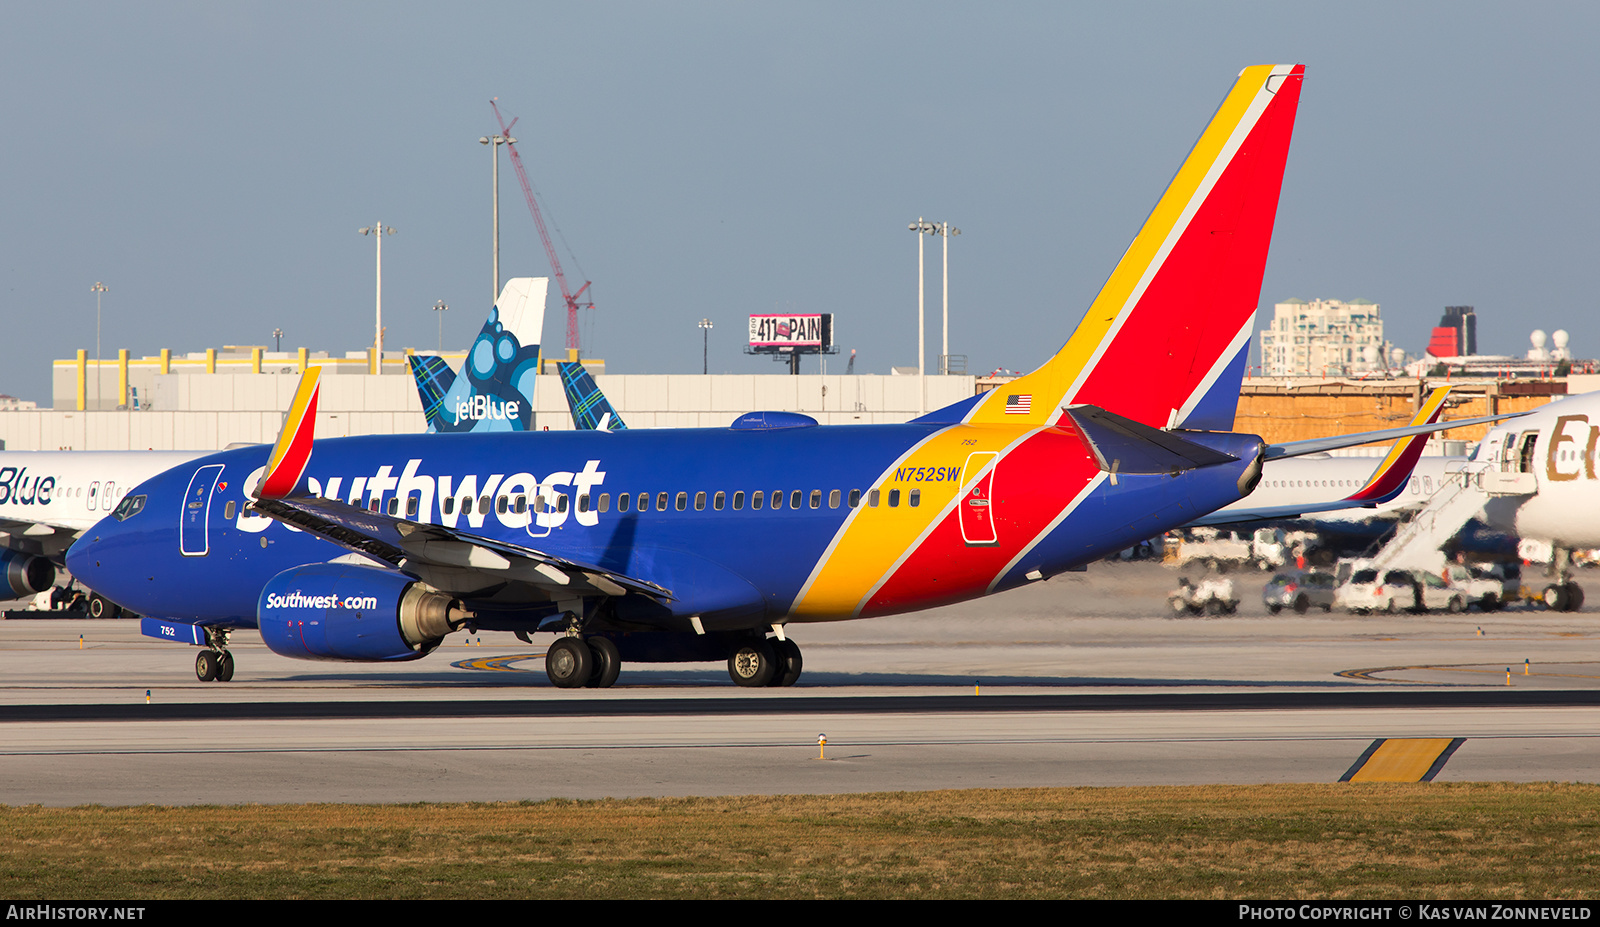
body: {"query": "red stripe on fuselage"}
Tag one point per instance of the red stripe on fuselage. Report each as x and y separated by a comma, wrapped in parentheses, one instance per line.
(1032, 485)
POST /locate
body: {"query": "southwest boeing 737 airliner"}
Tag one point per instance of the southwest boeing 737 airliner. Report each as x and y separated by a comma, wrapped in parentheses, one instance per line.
(675, 545)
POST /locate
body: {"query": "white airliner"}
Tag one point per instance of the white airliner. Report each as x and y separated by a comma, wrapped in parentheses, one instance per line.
(1539, 475)
(47, 498)
(1348, 489)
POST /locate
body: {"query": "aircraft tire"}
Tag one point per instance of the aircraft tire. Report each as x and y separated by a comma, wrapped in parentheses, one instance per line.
(205, 665)
(1555, 598)
(789, 663)
(752, 664)
(101, 607)
(1574, 597)
(224, 666)
(568, 663)
(607, 663)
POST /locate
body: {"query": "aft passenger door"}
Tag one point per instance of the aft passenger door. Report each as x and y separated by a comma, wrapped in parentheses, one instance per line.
(194, 521)
(976, 510)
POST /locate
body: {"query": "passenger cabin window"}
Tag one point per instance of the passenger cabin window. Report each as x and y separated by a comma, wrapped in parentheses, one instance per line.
(520, 505)
(583, 502)
(777, 499)
(394, 504)
(894, 498)
(623, 499)
(816, 498)
(605, 502)
(872, 498)
(227, 510)
(483, 505)
(833, 499)
(411, 506)
(683, 501)
(916, 497)
(661, 502)
(738, 500)
(718, 500)
(449, 504)
(855, 498)
(794, 498)
(700, 502)
(756, 499)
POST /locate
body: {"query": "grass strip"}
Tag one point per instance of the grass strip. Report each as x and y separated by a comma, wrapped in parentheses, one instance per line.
(1424, 841)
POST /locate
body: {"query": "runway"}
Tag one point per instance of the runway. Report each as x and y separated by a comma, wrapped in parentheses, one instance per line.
(1077, 681)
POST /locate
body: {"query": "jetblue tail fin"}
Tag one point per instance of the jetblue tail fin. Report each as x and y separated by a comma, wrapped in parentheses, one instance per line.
(1164, 330)
(434, 379)
(590, 408)
(494, 390)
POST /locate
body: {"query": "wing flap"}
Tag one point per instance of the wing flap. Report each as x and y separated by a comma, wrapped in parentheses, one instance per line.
(449, 559)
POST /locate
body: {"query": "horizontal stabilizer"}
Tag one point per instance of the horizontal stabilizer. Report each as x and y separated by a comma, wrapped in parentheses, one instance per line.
(1122, 445)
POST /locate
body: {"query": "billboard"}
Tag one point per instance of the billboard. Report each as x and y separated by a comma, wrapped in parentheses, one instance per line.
(785, 333)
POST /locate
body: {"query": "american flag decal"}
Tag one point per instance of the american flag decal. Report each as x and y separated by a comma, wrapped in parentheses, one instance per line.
(1019, 405)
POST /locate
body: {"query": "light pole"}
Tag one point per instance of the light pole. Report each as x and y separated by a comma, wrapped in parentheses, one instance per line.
(494, 142)
(277, 339)
(922, 228)
(705, 346)
(439, 307)
(944, 231)
(378, 230)
(97, 289)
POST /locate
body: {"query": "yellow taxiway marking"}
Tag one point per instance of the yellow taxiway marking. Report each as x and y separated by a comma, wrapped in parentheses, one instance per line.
(1482, 669)
(501, 664)
(1402, 760)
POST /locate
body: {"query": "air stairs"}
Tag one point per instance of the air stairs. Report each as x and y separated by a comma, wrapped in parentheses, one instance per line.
(1416, 545)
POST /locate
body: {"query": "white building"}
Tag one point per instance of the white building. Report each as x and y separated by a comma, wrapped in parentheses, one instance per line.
(1323, 338)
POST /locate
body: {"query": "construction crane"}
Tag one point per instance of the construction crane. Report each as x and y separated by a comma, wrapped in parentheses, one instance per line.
(567, 296)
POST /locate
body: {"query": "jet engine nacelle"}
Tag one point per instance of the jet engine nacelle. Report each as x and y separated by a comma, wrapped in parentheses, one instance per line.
(26, 574)
(337, 611)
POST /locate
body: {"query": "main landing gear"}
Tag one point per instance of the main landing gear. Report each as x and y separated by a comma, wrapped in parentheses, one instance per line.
(577, 662)
(765, 662)
(214, 664)
(1563, 595)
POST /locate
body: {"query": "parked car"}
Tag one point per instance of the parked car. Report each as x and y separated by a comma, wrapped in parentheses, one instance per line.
(1299, 591)
(1483, 586)
(1369, 591)
(1434, 594)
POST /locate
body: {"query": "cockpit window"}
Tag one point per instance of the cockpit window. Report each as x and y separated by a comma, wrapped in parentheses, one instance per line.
(128, 507)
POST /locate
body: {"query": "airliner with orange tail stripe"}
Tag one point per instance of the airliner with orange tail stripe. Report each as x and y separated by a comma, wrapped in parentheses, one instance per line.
(1347, 487)
(711, 544)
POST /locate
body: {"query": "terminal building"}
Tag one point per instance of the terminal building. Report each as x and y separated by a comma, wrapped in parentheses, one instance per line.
(210, 399)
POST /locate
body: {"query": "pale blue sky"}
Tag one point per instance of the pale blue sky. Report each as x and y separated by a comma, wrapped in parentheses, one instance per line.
(211, 162)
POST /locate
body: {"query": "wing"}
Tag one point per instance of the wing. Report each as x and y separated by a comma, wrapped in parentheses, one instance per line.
(453, 561)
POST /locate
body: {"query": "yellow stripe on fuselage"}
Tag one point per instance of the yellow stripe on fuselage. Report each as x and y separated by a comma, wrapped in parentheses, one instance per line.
(1049, 384)
(874, 539)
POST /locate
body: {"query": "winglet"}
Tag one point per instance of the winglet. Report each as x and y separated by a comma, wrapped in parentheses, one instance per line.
(293, 450)
(1396, 469)
(1390, 478)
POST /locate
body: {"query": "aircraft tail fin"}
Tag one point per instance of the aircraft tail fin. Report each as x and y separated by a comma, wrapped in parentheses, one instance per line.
(590, 408)
(434, 379)
(494, 389)
(292, 451)
(1165, 328)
